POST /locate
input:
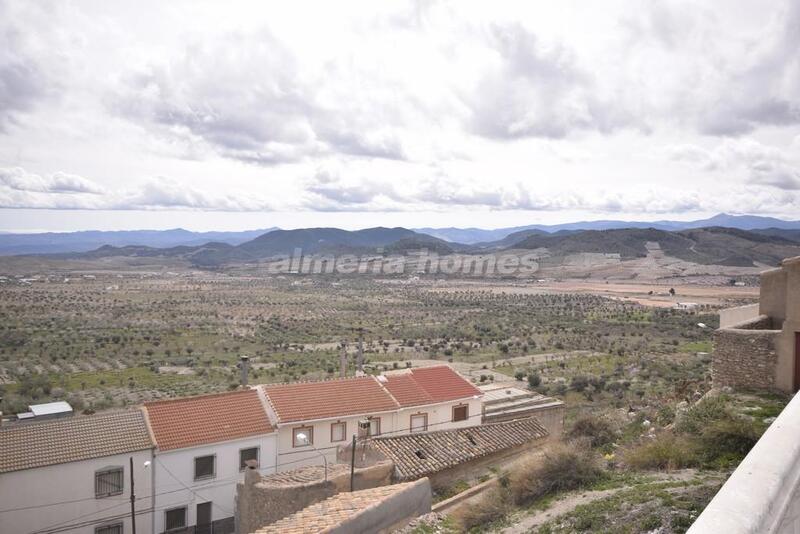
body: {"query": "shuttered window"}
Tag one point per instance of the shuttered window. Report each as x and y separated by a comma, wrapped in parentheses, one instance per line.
(460, 413)
(204, 467)
(108, 482)
(175, 518)
(109, 529)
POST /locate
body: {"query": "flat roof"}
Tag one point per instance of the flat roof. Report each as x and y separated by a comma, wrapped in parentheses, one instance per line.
(50, 408)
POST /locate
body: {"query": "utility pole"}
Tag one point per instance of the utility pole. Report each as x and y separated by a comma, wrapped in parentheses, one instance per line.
(133, 502)
(353, 464)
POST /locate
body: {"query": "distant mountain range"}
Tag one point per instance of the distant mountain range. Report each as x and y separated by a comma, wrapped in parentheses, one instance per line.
(743, 222)
(55, 242)
(713, 245)
(718, 240)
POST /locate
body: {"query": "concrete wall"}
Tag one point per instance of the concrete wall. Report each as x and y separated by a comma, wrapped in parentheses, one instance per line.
(390, 513)
(785, 345)
(745, 358)
(772, 298)
(740, 314)
(762, 496)
(175, 472)
(73, 484)
(259, 503)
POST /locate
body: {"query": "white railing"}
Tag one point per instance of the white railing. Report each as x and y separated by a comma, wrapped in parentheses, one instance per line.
(762, 496)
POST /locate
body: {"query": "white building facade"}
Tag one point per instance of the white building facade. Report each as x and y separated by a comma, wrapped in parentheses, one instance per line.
(73, 475)
(203, 445)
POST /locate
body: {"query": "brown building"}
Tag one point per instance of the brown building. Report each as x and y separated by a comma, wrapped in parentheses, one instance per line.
(758, 346)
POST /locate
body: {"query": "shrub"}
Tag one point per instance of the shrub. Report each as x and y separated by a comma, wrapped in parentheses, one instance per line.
(534, 380)
(667, 451)
(597, 430)
(491, 508)
(561, 469)
(728, 440)
(519, 375)
(703, 414)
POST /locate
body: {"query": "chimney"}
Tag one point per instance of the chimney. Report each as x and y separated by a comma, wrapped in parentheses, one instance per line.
(244, 367)
(343, 362)
(360, 357)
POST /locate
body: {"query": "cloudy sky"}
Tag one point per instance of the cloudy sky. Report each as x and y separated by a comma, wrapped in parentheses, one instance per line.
(226, 115)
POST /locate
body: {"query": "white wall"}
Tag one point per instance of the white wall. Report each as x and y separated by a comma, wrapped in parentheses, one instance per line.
(220, 490)
(392, 424)
(440, 416)
(74, 481)
(290, 457)
(740, 314)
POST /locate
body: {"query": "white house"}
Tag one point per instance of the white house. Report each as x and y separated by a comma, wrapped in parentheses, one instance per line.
(313, 419)
(433, 398)
(202, 444)
(73, 475)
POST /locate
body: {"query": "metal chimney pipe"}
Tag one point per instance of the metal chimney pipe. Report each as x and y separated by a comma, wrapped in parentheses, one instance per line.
(360, 358)
(244, 368)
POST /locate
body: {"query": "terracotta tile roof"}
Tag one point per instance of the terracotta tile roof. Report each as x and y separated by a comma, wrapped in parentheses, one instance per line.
(419, 455)
(325, 515)
(406, 390)
(189, 421)
(28, 445)
(306, 401)
(442, 383)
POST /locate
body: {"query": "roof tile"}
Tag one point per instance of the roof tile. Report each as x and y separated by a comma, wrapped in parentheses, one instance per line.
(29, 445)
(190, 421)
(307, 401)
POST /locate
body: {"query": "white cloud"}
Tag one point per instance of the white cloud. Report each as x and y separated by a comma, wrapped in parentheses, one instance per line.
(19, 179)
(762, 164)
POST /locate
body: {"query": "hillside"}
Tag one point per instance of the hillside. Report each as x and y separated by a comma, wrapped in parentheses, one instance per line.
(715, 245)
(65, 242)
(283, 242)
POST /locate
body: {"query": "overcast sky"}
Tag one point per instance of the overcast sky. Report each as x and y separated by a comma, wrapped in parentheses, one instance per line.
(226, 115)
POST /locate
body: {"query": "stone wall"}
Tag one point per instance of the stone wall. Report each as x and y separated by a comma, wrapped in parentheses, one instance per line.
(264, 500)
(745, 357)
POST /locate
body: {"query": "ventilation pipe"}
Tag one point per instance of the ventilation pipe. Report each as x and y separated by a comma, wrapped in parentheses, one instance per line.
(244, 367)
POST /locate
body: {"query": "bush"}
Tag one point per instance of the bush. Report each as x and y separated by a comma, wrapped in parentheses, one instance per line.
(597, 430)
(703, 414)
(561, 469)
(728, 440)
(534, 380)
(491, 508)
(667, 451)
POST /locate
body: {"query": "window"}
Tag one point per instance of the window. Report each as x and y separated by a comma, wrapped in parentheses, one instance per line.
(116, 528)
(375, 426)
(245, 455)
(302, 436)
(108, 482)
(175, 518)
(460, 413)
(338, 431)
(204, 467)
(419, 422)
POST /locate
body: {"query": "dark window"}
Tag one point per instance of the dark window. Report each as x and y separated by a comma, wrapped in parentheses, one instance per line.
(204, 467)
(175, 518)
(245, 455)
(338, 431)
(108, 482)
(109, 529)
(302, 436)
(460, 413)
